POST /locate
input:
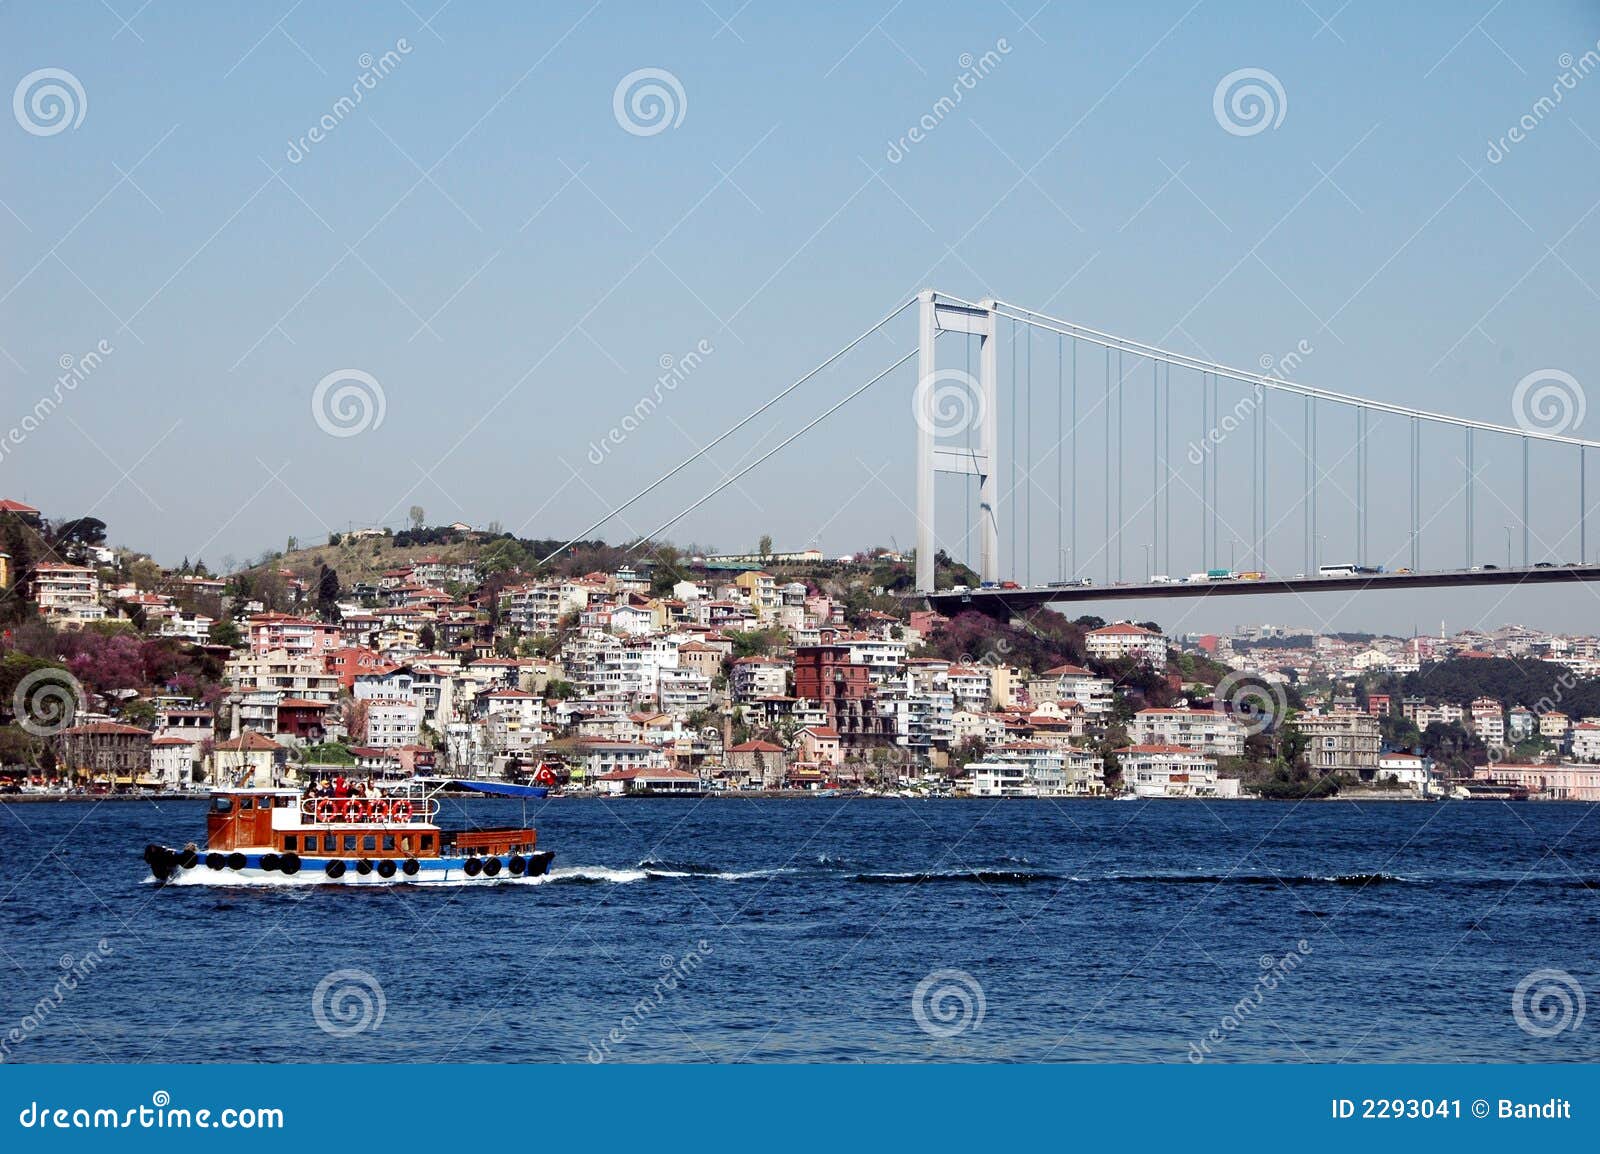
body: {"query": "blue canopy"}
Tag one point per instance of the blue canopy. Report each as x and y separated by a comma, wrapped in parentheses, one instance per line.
(501, 788)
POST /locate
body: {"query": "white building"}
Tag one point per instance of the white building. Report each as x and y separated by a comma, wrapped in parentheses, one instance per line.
(1172, 771)
(1195, 729)
(1585, 738)
(1124, 639)
(67, 593)
(392, 722)
(1073, 683)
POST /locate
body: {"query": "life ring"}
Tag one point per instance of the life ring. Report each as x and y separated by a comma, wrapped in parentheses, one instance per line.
(401, 810)
(236, 861)
(363, 867)
(491, 867)
(386, 868)
(325, 811)
(517, 864)
(411, 867)
(380, 810)
(289, 863)
(215, 861)
(358, 810)
(334, 869)
(472, 867)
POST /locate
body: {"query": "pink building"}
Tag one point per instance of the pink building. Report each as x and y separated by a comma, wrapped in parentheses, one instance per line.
(1555, 782)
(300, 636)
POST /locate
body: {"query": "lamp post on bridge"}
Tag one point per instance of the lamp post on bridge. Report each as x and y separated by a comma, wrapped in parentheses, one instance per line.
(1147, 549)
(1508, 545)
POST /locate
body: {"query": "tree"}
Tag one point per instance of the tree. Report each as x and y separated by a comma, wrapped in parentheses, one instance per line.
(426, 638)
(764, 548)
(417, 516)
(328, 591)
(226, 633)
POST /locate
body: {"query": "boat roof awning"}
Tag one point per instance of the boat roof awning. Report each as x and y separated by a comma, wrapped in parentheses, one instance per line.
(502, 789)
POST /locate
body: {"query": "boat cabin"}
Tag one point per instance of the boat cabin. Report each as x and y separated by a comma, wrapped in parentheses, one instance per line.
(397, 825)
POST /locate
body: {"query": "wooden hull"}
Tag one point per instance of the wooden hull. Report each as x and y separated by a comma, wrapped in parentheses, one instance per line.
(246, 867)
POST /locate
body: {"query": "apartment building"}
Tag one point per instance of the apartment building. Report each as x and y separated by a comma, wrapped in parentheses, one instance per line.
(67, 594)
(1124, 639)
(1205, 730)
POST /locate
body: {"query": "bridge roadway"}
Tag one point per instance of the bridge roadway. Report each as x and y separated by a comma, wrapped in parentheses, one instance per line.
(1004, 602)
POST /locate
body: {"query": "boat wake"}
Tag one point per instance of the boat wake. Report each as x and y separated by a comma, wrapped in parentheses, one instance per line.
(994, 877)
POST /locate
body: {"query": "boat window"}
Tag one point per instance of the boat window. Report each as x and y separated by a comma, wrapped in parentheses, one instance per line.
(284, 802)
(427, 841)
(370, 841)
(247, 803)
(222, 804)
(329, 843)
(388, 841)
(290, 842)
(350, 841)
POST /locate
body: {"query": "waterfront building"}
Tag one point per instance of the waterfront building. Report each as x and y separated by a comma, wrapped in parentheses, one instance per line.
(1157, 771)
(1549, 782)
(1341, 742)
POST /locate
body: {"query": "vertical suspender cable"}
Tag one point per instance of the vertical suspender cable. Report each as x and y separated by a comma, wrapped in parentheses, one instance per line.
(1027, 473)
(1072, 548)
(1216, 474)
(1061, 492)
(1305, 475)
(1316, 483)
(1155, 457)
(1255, 494)
(1265, 488)
(1106, 545)
(1205, 471)
(1119, 466)
(1583, 510)
(1166, 467)
(1467, 505)
(1526, 558)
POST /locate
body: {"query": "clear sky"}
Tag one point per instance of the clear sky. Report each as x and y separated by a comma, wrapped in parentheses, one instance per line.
(511, 250)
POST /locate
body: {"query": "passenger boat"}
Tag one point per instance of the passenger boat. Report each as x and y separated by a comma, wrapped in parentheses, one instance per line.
(257, 833)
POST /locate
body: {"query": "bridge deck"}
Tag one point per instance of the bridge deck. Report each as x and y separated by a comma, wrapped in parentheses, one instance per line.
(996, 601)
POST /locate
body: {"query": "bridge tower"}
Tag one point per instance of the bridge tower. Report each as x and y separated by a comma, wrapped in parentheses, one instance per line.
(950, 402)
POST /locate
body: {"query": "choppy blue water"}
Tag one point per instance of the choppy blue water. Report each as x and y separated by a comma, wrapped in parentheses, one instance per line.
(835, 930)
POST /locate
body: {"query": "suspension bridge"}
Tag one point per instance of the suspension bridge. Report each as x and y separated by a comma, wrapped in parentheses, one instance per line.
(1043, 444)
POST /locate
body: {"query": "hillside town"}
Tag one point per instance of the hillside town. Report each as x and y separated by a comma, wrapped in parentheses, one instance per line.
(449, 652)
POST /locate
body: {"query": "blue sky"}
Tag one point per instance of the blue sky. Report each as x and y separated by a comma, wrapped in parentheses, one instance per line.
(485, 239)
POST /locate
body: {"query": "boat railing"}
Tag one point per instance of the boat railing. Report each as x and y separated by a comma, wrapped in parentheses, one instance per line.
(387, 809)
